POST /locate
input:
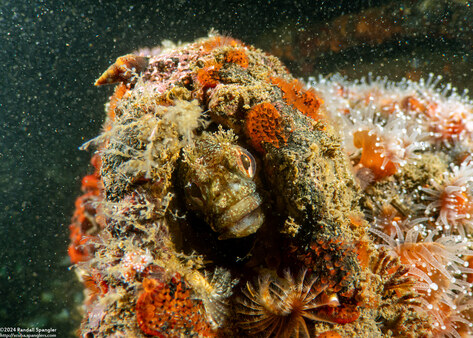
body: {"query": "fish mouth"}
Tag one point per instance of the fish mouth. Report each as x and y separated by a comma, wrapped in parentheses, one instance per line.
(241, 219)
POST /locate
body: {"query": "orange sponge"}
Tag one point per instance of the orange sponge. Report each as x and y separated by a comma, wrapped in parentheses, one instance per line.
(306, 101)
(264, 124)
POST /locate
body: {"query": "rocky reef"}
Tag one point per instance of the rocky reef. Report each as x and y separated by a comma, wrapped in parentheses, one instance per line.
(230, 199)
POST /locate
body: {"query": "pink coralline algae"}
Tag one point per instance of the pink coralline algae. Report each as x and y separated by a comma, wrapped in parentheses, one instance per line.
(230, 199)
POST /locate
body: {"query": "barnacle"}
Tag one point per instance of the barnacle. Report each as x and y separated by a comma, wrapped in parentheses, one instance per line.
(281, 308)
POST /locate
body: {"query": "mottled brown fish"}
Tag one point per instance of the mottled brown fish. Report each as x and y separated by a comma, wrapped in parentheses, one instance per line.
(218, 184)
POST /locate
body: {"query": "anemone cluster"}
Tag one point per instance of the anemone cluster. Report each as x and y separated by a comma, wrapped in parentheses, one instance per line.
(410, 144)
(230, 199)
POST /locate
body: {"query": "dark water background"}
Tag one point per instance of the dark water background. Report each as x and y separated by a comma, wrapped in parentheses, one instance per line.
(51, 53)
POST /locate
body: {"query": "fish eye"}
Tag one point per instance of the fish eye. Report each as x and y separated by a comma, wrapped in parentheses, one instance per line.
(194, 194)
(246, 162)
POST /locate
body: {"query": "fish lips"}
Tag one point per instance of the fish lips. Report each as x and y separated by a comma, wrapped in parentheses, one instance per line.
(241, 219)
